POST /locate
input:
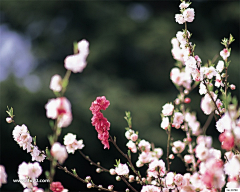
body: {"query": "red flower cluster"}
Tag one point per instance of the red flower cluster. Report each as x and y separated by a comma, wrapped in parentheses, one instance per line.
(101, 123)
(56, 187)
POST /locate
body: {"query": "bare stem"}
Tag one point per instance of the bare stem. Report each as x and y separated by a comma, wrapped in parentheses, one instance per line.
(168, 148)
(82, 180)
(91, 162)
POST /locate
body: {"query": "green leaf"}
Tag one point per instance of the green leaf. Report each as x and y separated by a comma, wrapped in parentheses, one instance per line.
(35, 140)
(75, 47)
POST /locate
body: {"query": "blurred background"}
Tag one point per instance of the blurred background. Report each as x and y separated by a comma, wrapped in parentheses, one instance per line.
(129, 62)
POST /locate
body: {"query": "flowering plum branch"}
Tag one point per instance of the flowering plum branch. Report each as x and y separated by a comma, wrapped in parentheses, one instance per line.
(206, 169)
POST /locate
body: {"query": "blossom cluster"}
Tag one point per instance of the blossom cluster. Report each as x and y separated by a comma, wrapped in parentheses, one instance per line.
(22, 136)
(206, 169)
(102, 125)
(71, 143)
(187, 14)
(28, 173)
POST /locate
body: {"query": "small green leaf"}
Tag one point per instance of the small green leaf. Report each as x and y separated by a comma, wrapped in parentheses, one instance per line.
(75, 47)
(34, 140)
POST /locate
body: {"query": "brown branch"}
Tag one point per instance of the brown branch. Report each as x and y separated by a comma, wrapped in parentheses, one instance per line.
(82, 180)
(91, 162)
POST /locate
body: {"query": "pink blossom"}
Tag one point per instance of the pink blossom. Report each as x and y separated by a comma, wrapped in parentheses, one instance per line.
(179, 18)
(214, 177)
(28, 173)
(189, 14)
(224, 54)
(188, 159)
(34, 170)
(37, 155)
(3, 175)
(218, 81)
(18, 131)
(150, 188)
(201, 152)
(56, 83)
(128, 133)
(205, 140)
(184, 5)
(76, 63)
(59, 108)
(156, 168)
(122, 169)
(178, 147)
(227, 140)
(165, 123)
(59, 152)
(134, 137)
(169, 180)
(132, 146)
(177, 119)
(179, 180)
(191, 63)
(167, 109)
(232, 167)
(210, 72)
(220, 66)
(158, 152)
(144, 145)
(101, 103)
(71, 143)
(224, 123)
(144, 157)
(207, 104)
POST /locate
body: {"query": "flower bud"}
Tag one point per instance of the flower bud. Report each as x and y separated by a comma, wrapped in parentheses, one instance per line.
(177, 101)
(187, 100)
(88, 178)
(98, 170)
(131, 178)
(171, 156)
(9, 120)
(112, 171)
(127, 190)
(118, 178)
(89, 185)
(110, 187)
(186, 92)
(232, 87)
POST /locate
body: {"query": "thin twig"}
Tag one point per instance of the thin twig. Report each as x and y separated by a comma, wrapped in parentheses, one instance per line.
(91, 162)
(82, 180)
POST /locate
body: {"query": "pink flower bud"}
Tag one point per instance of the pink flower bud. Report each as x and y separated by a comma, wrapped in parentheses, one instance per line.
(110, 187)
(131, 178)
(112, 171)
(89, 185)
(187, 100)
(171, 156)
(232, 87)
(9, 120)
